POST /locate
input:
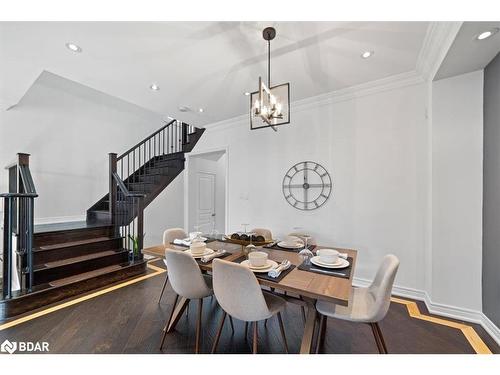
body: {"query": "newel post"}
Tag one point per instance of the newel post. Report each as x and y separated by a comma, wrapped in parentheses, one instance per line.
(112, 187)
(140, 227)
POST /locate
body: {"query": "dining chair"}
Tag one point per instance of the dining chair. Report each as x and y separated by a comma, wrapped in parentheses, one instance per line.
(168, 237)
(266, 233)
(239, 294)
(310, 240)
(366, 305)
(187, 281)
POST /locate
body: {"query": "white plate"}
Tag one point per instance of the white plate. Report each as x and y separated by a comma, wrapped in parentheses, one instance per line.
(285, 245)
(206, 252)
(341, 263)
(270, 265)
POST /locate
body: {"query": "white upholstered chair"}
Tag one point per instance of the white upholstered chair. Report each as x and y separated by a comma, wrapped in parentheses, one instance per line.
(168, 237)
(366, 305)
(187, 281)
(266, 233)
(239, 294)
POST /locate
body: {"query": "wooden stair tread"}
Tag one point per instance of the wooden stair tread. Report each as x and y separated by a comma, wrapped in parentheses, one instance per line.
(85, 275)
(72, 243)
(71, 225)
(77, 259)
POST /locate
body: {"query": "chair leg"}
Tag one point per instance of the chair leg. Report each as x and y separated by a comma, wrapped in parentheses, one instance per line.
(282, 329)
(168, 322)
(321, 333)
(232, 325)
(163, 289)
(379, 339)
(246, 330)
(198, 326)
(303, 314)
(219, 331)
(255, 336)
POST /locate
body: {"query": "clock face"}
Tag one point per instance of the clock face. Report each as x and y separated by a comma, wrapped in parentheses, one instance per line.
(307, 185)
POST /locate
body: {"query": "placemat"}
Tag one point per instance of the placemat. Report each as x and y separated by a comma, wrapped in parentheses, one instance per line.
(181, 245)
(265, 276)
(198, 260)
(276, 247)
(344, 273)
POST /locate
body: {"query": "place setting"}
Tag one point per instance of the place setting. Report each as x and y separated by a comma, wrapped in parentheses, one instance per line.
(290, 243)
(328, 262)
(259, 263)
(201, 253)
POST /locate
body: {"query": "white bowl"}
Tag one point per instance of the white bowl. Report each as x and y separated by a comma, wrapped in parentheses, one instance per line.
(328, 256)
(257, 258)
(197, 247)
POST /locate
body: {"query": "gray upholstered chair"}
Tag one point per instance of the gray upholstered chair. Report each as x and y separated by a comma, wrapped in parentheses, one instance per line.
(266, 233)
(366, 305)
(168, 237)
(239, 294)
(187, 281)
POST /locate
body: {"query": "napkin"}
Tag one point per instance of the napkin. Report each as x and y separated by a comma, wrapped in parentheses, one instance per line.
(275, 272)
(182, 242)
(208, 258)
(343, 255)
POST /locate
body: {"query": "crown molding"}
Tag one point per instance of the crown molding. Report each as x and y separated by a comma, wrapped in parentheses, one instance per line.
(437, 42)
(349, 93)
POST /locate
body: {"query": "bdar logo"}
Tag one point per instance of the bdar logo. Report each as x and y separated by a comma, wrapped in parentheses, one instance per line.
(8, 347)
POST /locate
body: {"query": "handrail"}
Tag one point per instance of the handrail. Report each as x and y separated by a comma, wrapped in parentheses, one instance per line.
(124, 189)
(145, 140)
(18, 195)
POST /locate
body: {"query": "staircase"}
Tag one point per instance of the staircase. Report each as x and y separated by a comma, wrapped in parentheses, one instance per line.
(57, 261)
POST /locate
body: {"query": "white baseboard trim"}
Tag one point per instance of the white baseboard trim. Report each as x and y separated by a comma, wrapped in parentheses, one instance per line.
(454, 312)
(59, 219)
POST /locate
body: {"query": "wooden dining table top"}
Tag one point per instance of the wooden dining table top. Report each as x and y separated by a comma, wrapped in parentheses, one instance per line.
(303, 283)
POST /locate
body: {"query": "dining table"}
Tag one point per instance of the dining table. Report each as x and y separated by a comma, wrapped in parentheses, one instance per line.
(302, 287)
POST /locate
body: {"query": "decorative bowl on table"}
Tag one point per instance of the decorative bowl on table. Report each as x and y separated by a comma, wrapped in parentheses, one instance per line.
(246, 238)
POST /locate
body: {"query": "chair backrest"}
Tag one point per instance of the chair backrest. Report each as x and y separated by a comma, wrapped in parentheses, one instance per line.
(238, 291)
(381, 287)
(173, 234)
(266, 233)
(185, 276)
(310, 240)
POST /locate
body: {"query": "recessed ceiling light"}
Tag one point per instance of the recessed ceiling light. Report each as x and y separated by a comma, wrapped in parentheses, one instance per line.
(367, 54)
(73, 47)
(247, 93)
(200, 110)
(486, 34)
(154, 87)
(183, 108)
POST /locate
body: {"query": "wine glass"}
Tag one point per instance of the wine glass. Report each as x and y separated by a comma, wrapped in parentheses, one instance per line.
(245, 226)
(197, 231)
(306, 254)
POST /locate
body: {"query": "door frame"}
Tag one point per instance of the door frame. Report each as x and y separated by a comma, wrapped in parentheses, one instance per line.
(188, 157)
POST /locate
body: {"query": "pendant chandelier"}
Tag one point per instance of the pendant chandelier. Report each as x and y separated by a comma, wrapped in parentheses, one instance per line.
(270, 106)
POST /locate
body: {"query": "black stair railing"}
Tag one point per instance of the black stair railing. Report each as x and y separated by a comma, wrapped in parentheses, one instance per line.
(127, 182)
(18, 227)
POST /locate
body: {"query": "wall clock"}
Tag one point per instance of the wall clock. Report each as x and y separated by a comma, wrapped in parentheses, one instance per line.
(307, 185)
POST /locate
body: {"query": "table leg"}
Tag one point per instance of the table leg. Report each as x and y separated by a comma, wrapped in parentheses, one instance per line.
(179, 309)
(307, 338)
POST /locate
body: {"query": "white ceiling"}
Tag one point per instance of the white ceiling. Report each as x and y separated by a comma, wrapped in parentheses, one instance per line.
(467, 54)
(204, 64)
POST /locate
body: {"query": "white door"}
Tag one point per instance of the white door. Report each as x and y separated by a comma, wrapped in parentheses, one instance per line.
(206, 201)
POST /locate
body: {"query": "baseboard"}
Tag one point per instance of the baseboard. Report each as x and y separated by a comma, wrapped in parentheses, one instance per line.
(59, 219)
(454, 312)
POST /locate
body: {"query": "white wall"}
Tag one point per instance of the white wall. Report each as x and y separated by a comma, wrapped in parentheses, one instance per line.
(374, 148)
(69, 129)
(457, 167)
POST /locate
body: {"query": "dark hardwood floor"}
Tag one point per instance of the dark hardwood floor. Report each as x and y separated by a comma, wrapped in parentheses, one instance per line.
(129, 320)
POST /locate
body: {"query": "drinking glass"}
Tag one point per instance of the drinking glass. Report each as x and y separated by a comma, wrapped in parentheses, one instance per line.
(306, 254)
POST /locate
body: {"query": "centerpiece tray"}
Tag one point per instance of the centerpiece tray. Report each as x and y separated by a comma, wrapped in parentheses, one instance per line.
(245, 242)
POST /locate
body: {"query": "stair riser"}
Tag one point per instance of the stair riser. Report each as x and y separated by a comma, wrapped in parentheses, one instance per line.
(52, 238)
(17, 306)
(42, 257)
(50, 274)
